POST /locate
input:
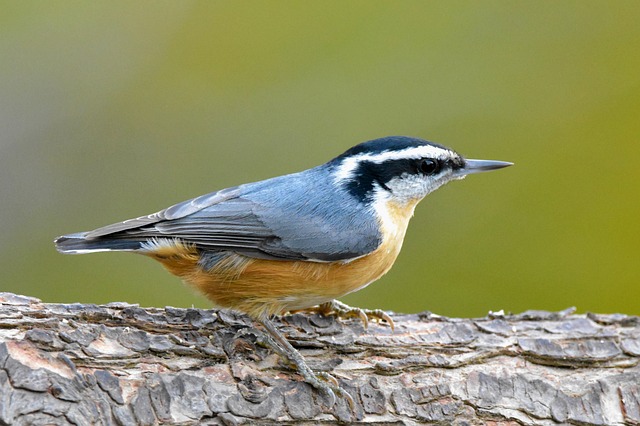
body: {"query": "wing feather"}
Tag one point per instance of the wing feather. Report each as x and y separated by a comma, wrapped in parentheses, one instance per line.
(216, 221)
(245, 220)
(170, 213)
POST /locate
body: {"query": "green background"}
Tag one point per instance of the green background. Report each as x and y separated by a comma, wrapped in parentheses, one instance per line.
(115, 109)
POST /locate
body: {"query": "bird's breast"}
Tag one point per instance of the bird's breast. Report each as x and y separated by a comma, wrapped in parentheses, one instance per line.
(394, 219)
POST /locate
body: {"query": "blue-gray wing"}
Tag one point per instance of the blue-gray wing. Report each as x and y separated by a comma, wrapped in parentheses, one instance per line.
(257, 221)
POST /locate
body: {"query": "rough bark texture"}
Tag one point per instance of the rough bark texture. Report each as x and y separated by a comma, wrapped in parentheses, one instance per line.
(122, 364)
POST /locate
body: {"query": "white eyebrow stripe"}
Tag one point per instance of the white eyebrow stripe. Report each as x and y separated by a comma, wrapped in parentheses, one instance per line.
(349, 164)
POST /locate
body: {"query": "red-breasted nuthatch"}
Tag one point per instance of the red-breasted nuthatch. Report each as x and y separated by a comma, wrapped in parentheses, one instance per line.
(293, 241)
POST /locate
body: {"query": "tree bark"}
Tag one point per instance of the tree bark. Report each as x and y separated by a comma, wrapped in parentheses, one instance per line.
(119, 364)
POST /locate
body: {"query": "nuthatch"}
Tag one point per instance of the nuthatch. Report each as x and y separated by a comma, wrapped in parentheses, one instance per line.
(294, 241)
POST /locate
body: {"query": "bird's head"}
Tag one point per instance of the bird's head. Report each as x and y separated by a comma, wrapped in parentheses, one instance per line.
(402, 169)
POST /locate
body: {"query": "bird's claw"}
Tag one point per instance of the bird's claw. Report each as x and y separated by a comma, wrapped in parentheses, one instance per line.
(343, 310)
(328, 378)
(329, 385)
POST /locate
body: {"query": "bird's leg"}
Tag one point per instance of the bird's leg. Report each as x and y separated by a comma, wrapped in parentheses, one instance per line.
(322, 381)
(343, 310)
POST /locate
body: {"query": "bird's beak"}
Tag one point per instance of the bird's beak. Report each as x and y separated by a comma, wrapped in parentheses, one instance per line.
(479, 166)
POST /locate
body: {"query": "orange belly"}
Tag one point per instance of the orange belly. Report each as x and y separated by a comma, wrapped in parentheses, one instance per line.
(261, 287)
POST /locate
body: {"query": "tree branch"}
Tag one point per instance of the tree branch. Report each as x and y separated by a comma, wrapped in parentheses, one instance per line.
(122, 364)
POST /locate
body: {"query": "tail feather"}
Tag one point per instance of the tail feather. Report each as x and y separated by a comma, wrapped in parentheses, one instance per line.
(80, 244)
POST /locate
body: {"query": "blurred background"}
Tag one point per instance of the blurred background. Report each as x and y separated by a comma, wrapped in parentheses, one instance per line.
(114, 109)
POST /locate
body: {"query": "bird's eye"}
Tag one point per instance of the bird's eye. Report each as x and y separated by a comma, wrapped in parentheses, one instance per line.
(429, 166)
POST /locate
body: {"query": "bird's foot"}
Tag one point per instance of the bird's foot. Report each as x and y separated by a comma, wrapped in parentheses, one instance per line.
(342, 310)
(324, 382)
(328, 385)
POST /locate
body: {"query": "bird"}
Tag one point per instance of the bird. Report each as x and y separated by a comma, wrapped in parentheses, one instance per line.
(294, 242)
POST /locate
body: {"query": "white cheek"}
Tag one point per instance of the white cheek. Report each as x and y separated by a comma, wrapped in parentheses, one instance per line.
(408, 188)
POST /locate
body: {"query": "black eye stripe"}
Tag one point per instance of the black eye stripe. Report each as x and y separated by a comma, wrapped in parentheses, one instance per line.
(367, 173)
